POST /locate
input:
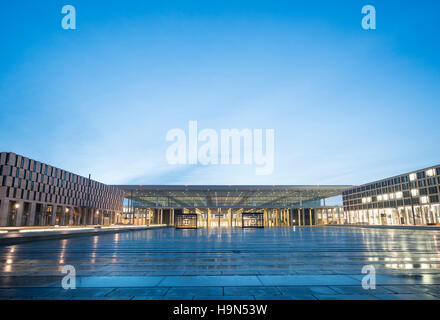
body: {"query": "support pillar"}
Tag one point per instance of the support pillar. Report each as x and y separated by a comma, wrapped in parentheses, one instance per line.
(91, 216)
(54, 214)
(207, 217)
(43, 215)
(33, 209)
(19, 213)
(83, 212)
(4, 211)
(265, 217)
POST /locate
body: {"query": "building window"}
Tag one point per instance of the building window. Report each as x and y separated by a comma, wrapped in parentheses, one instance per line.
(433, 190)
(412, 177)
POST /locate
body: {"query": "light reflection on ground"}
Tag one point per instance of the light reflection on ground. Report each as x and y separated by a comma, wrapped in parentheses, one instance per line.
(325, 259)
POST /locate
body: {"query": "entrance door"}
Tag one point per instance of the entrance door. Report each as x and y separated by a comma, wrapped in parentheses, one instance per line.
(48, 219)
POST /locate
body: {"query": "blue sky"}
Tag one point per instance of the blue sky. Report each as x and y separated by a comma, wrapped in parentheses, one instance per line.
(348, 106)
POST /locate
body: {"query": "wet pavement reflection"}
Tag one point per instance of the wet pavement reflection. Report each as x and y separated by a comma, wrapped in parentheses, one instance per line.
(328, 260)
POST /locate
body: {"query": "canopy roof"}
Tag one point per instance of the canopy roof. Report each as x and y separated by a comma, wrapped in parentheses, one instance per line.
(230, 196)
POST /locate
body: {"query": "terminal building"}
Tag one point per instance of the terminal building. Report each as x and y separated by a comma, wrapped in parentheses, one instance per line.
(36, 194)
(226, 206)
(407, 199)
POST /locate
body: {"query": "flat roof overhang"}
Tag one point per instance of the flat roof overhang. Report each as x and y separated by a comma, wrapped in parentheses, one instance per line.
(229, 196)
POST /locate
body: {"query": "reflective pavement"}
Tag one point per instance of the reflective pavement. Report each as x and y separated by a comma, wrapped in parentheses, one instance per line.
(271, 263)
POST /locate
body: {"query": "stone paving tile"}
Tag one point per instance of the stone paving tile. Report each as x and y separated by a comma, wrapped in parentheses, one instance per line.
(359, 290)
(84, 292)
(307, 280)
(163, 298)
(144, 281)
(400, 279)
(346, 297)
(195, 291)
(404, 289)
(206, 281)
(287, 297)
(433, 289)
(137, 273)
(47, 293)
(224, 298)
(27, 292)
(300, 290)
(414, 296)
(45, 298)
(29, 282)
(329, 258)
(103, 298)
(238, 272)
(244, 291)
(131, 292)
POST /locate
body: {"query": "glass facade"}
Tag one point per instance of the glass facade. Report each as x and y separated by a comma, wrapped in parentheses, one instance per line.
(229, 206)
(408, 199)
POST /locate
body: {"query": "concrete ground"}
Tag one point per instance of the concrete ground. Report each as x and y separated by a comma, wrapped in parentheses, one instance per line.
(272, 263)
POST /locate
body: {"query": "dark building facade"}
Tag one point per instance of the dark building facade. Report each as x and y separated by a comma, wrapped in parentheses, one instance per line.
(407, 199)
(37, 194)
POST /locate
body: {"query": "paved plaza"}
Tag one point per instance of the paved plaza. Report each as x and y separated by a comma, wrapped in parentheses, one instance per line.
(273, 263)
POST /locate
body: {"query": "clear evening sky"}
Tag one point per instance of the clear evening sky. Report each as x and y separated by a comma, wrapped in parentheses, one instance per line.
(348, 106)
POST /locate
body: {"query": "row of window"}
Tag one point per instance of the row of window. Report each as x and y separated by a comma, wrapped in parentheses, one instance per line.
(42, 168)
(95, 201)
(395, 203)
(431, 183)
(40, 187)
(393, 181)
(41, 178)
(30, 166)
(397, 195)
